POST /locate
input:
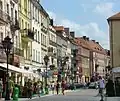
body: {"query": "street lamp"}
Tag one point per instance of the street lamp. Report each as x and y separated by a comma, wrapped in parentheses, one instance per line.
(7, 45)
(46, 59)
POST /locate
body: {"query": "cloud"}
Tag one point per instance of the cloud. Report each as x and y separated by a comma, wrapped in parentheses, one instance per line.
(91, 29)
(105, 9)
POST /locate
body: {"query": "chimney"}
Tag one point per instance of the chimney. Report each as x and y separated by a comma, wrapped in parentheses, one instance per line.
(93, 40)
(97, 42)
(66, 31)
(87, 38)
(72, 34)
(51, 22)
(84, 37)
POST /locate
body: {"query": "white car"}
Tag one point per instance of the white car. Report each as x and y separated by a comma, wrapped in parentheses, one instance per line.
(93, 85)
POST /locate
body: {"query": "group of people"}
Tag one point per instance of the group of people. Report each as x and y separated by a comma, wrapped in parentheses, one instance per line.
(56, 86)
(108, 85)
(10, 87)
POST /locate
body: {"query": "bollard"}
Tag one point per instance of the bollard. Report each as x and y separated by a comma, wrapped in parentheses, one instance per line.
(15, 93)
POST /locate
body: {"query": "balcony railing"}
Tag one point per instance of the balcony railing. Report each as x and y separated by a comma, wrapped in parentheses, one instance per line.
(18, 51)
(14, 24)
(4, 18)
(27, 33)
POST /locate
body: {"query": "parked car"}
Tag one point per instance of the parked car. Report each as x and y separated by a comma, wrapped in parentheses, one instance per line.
(93, 85)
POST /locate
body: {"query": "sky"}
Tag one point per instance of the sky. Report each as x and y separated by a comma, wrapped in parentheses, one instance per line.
(85, 17)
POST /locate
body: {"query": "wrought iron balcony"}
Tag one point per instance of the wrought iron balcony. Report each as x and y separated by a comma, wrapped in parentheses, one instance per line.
(27, 33)
(18, 51)
(16, 1)
(4, 17)
(14, 24)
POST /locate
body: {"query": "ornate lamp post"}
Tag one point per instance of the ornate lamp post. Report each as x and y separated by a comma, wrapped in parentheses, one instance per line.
(46, 59)
(7, 45)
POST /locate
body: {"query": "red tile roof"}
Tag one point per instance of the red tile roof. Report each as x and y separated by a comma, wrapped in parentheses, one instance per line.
(59, 28)
(91, 45)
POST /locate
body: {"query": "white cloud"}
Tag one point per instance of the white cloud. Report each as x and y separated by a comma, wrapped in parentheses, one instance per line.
(105, 9)
(91, 30)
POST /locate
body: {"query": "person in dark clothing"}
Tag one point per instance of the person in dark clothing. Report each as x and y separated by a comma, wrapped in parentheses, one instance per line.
(57, 87)
(63, 87)
(110, 88)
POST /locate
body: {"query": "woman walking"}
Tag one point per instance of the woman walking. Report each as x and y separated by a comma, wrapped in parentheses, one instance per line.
(57, 87)
(63, 87)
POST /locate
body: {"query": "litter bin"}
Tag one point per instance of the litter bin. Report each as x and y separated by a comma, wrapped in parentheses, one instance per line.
(15, 93)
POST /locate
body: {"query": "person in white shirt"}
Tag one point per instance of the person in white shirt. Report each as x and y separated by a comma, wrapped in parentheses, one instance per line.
(101, 87)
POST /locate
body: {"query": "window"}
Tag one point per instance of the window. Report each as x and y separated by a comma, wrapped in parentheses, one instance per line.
(36, 56)
(38, 37)
(45, 41)
(15, 14)
(22, 24)
(1, 5)
(12, 13)
(7, 8)
(1, 37)
(25, 5)
(38, 15)
(41, 38)
(26, 25)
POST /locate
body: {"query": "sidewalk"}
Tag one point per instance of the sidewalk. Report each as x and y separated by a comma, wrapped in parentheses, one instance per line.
(50, 94)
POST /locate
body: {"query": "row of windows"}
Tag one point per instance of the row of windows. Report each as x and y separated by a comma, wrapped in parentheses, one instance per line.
(36, 35)
(36, 55)
(52, 37)
(43, 39)
(35, 13)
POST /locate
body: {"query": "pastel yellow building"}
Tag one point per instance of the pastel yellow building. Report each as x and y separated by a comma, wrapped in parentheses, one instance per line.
(26, 33)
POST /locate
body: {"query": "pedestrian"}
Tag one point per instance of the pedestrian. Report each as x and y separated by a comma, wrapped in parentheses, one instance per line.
(1, 88)
(30, 88)
(52, 87)
(63, 87)
(101, 87)
(110, 88)
(57, 87)
(39, 89)
(11, 86)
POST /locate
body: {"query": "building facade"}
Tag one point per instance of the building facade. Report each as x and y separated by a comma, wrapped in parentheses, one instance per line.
(36, 43)
(52, 52)
(45, 21)
(114, 22)
(84, 58)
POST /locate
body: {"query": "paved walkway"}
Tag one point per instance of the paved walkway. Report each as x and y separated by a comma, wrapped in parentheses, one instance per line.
(75, 95)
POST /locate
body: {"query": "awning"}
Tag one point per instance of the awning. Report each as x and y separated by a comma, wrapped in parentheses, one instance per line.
(116, 70)
(19, 70)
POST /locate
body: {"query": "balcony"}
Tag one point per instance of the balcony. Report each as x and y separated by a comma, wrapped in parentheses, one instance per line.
(2, 55)
(4, 18)
(19, 52)
(16, 1)
(14, 25)
(27, 34)
(53, 43)
(43, 28)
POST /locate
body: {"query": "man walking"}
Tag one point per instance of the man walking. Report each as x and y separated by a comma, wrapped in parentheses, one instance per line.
(101, 87)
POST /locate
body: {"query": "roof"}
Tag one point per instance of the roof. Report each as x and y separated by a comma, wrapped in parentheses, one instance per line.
(91, 45)
(96, 47)
(59, 28)
(80, 41)
(114, 17)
